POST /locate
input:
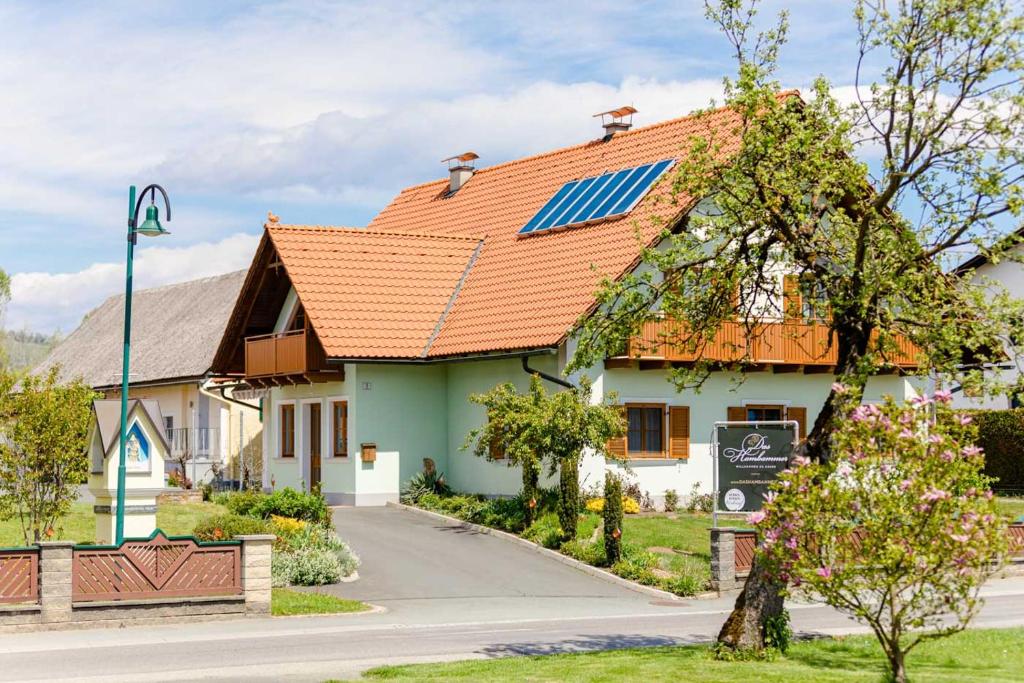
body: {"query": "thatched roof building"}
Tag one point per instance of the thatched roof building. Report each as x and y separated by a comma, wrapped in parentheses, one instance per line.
(175, 333)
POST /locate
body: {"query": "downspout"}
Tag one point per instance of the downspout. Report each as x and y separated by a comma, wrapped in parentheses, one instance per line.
(544, 375)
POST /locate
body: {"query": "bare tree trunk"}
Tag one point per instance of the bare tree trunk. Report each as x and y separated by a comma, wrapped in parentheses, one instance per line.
(760, 599)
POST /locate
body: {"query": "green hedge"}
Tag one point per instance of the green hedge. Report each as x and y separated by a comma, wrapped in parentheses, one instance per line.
(1001, 434)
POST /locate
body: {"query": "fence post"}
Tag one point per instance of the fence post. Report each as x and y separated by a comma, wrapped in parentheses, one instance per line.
(723, 559)
(55, 558)
(256, 552)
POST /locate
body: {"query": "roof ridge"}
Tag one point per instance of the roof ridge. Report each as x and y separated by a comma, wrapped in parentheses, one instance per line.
(451, 300)
(379, 233)
(618, 136)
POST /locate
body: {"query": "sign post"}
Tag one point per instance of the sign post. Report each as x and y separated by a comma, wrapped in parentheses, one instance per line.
(748, 458)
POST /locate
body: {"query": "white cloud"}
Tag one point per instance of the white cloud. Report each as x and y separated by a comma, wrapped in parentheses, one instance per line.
(47, 301)
(355, 158)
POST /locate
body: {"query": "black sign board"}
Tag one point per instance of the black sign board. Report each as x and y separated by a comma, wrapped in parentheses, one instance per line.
(750, 456)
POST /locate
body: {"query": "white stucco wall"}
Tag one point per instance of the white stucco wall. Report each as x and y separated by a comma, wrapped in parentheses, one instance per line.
(1008, 274)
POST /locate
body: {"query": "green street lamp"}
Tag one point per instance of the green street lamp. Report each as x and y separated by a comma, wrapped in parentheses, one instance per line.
(150, 228)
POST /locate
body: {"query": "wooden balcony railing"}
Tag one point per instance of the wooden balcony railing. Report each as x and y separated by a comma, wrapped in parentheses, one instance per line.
(284, 353)
(772, 343)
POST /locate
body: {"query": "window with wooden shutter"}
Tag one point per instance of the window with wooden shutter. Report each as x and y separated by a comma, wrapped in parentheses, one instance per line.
(679, 432)
(736, 414)
(617, 447)
(800, 415)
(791, 306)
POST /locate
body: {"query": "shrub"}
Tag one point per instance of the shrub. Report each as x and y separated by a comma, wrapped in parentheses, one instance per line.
(287, 526)
(207, 490)
(226, 527)
(243, 503)
(591, 553)
(546, 531)
(1001, 436)
(309, 567)
(671, 500)
(613, 517)
(286, 502)
(221, 498)
(629, 505)
(700, 502)
(426, 481)
(631, 489)
(636, 565)
(569, 496)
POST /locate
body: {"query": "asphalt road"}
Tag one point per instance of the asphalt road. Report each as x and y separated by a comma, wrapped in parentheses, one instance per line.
(442, 593)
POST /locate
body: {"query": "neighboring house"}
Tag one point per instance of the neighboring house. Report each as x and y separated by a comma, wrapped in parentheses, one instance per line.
(371, 341)
(175, 333)
(1008, 274)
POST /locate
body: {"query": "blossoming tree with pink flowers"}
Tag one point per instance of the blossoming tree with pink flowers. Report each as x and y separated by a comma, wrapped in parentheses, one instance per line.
(899, 531)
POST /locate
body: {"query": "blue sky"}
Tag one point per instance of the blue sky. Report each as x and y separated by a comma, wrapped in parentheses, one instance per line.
(317, 111)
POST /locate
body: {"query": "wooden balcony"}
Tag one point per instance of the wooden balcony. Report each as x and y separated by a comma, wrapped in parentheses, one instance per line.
(287, 358)
(783, 346)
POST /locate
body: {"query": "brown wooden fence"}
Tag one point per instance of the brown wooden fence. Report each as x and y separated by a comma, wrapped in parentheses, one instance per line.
(745, 544)
(156, 567)
(744, 551)
(19, 575)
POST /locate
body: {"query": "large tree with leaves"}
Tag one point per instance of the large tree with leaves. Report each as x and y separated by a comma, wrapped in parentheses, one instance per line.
(5, 296)
(44, 428)
(866, 199)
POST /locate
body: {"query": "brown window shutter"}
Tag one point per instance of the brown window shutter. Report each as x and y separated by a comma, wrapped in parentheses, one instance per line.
(791, 305)
(800, 415)
(735, 414)
(497, 452)
(617, 447)
(679, 432)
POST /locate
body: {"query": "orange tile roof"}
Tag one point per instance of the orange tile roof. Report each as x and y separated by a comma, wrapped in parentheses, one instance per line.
(527, 292)
(413, 285)
(370, 294)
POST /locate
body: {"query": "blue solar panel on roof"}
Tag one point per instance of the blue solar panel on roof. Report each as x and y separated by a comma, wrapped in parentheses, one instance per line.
(596, 198)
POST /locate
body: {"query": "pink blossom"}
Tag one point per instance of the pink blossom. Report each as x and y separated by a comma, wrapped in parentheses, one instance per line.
(947, 455)
(825, 572)
(906, 418)
(906, 434)
(965, 419)
(905, 484)
(791, 543)
(756, 517)
(770, 497)
(933, 494)
(944, 395)
(934, 438)
(920, 401)
(960, 538)
(970, 451)
(801, 461)
(840, 388)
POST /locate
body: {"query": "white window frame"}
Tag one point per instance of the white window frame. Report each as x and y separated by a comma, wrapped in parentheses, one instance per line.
(277, 430)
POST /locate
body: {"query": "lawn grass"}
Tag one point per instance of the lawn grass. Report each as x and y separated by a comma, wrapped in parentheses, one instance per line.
(1010, 508)
(288, 603)
(175, 519)
(975, 656)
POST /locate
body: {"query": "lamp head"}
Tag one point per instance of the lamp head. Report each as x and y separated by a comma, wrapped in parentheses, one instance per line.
(151, 226)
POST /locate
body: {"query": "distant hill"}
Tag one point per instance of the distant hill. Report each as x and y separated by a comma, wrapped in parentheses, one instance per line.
(25, 350)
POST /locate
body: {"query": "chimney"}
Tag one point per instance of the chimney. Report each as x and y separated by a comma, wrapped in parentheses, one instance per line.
(460, 170)
(616, 121)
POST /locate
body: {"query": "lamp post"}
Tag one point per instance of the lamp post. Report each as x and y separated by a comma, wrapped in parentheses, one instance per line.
(150, 228)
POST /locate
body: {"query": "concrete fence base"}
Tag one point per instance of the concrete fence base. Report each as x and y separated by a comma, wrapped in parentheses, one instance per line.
(55, 607)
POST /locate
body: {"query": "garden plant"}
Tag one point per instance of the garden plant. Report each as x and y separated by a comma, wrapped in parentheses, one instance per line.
(899, 530)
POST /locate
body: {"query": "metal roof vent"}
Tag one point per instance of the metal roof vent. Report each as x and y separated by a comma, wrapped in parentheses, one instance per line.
(616, 121)
(460, 170)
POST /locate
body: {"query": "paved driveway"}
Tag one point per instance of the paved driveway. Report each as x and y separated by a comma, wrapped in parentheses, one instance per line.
(429, 572)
